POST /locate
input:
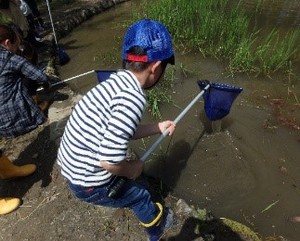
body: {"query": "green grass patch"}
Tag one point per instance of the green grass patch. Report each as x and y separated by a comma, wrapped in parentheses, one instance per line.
(161, 93)
(214, 28)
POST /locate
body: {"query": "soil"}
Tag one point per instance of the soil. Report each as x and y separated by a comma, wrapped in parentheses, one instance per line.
(50, 211)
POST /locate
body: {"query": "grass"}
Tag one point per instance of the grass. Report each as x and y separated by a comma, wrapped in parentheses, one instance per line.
(111, 57)
(161, 93)
(213, 29)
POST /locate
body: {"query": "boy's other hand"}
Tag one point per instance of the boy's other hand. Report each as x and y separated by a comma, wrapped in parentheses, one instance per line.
(168, 125)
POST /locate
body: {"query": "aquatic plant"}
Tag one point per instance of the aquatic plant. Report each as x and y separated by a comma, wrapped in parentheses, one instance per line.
(276, 52)
(241, 229)
(110, 58)
(217, 28)
(223, 227)
(242, 60)
(160, 93)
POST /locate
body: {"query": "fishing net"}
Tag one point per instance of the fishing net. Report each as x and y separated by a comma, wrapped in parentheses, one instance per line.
(218, 99)
(103, 75)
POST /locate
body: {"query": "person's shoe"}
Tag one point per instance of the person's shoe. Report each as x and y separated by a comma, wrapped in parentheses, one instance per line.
(157, 231)
(8, 170)
(44, 105)
(33, 38)
(37, 37)
(8, 205)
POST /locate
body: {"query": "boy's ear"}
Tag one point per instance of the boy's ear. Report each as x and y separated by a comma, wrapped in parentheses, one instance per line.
(155, 66)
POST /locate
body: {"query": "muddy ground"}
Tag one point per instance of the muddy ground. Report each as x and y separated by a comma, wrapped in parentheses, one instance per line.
(50, 212)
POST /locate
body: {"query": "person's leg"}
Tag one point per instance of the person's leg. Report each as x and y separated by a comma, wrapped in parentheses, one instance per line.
(18, 18)
(155, 218)
(9, 170)
(33, 7)
(32, 90)
(38, 21)
(30, 20)
(134, 195)
(8, 205)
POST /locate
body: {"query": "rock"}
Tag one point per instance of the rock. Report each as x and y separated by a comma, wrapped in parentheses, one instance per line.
(182, 208)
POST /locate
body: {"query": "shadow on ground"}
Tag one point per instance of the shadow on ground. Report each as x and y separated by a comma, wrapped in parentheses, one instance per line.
(41, 151)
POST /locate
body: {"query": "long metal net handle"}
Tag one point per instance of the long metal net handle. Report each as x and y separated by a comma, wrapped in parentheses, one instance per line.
(74, 77)
(51, 21)
(114, 189)
(179, 117)
(66, 80)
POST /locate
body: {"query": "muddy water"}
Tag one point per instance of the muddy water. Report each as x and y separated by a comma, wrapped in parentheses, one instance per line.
(249, 171)
(281, 13)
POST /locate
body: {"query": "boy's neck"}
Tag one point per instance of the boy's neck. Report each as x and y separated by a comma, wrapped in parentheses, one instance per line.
(141, 77)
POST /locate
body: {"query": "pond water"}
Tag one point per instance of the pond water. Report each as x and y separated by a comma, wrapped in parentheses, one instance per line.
(280, 13)
(252, 164)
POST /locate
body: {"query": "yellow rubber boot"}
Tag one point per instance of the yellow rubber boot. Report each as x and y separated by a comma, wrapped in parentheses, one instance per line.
(9, 204)
(9, 170)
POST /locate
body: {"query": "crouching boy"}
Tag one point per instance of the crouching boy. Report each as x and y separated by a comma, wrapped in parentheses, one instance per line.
(95, 142)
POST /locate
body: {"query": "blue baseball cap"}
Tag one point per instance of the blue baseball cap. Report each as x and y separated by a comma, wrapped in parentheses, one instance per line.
(153, 37)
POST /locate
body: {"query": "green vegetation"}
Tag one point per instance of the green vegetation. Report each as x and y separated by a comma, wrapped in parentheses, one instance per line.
(161, 93)
(223, 227)
(109, 58)
(3, 19)
(215, 29)
(241, 229)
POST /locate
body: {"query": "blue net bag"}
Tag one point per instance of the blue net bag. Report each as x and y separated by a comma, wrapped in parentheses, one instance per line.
(103, 75)
(218, 99)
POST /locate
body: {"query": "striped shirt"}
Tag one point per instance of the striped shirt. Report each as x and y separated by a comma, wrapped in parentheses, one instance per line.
(99, 128)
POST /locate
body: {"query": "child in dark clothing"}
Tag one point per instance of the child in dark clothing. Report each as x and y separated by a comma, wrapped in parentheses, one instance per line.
(30, 10)
(19, 113)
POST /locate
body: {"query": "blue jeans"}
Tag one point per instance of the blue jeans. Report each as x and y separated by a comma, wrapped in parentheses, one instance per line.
(133, 195)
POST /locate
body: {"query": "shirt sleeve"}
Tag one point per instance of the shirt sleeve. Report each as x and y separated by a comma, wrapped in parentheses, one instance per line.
(30, 71)
(127, 109)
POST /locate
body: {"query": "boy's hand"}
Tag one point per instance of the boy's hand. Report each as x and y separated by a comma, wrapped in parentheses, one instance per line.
(168, 125)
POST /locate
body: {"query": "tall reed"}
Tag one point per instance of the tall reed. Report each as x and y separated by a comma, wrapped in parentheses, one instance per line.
(160, 93)
(204, 25)
(215, 28)
(276, 52)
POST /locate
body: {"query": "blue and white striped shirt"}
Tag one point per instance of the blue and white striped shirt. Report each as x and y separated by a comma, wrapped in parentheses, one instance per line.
(100, 127)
